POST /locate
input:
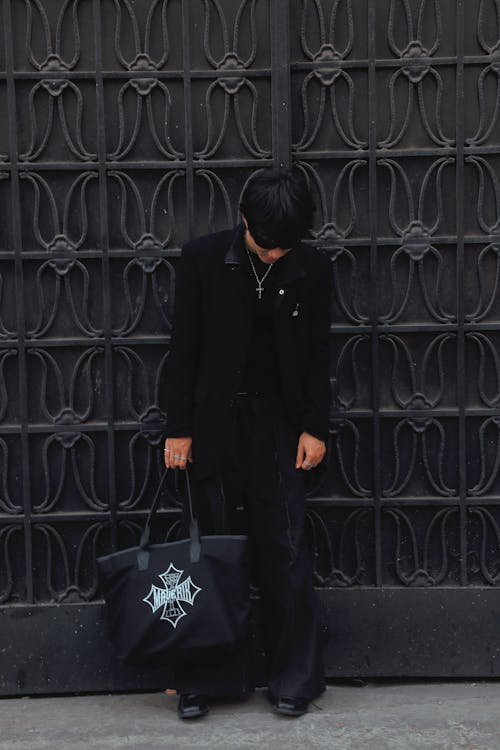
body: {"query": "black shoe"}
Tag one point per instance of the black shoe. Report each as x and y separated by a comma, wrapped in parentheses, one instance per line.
(289, 706)
(192, 706)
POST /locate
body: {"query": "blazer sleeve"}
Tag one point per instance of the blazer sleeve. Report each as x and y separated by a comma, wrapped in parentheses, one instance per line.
(183, 359)
(317, 391)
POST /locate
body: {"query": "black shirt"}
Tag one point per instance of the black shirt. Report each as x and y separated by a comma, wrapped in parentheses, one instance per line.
(261, 371)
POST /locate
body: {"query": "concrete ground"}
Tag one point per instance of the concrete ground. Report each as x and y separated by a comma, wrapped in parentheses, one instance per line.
(380, 716)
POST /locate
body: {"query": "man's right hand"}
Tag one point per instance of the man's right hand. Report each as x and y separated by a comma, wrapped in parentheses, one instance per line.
(178, 451)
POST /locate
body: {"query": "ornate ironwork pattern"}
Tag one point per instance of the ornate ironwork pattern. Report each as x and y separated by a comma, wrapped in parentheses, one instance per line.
(394, 119)
(127, 128)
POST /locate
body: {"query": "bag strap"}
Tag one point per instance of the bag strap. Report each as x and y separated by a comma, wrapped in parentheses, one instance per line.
(194, 533)
(194, 530)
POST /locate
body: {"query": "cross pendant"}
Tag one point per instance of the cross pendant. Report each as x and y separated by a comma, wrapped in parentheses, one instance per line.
(259, 289)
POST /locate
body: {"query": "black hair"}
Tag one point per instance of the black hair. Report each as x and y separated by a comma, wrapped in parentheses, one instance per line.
(278, 206)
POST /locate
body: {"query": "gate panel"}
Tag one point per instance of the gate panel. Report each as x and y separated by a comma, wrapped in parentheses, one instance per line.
(128, 128)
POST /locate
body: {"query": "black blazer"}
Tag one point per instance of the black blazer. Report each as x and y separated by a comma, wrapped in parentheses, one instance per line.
(211, 334)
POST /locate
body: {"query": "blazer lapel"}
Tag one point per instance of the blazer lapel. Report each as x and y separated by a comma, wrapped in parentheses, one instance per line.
(237, 302)
(291, 274)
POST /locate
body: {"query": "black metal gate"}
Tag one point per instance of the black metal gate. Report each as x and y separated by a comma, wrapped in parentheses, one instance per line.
(127, 127)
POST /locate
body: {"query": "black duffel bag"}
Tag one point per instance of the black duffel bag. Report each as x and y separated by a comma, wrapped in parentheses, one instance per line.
(179, 600)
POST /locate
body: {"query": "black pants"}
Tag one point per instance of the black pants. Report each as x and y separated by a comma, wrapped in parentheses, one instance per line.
(260, 476)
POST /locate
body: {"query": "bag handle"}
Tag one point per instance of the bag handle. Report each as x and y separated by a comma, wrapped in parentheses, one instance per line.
(194, 532)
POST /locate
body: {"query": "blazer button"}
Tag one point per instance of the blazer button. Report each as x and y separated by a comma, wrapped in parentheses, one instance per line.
(281, 291)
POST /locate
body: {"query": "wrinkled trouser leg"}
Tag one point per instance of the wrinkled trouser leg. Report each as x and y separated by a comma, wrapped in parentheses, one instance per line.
(232, 674)
(261, 475)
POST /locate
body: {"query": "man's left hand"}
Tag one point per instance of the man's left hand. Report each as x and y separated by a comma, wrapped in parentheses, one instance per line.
(310, 452)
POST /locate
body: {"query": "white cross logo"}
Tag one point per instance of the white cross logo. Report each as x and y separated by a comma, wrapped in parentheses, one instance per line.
(170, 597)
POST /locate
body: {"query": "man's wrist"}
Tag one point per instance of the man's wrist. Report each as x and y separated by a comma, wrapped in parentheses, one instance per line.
(318, 434)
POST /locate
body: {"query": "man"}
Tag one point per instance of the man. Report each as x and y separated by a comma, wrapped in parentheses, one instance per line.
(247, 405)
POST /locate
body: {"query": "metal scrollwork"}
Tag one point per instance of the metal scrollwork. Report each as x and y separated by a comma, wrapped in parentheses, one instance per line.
(82, 455)
(346, 444)
(348, 295)
(230, 60)
(327, 48)
(149, 264)
(4, 399)
(423, 377)
(8, 536)
(67, 579)
(343, 201)
(231, 88)
(5, 331)
(80, 387)
(330, 74)
(424, 563)
(219, 203)
(348, 376)
(142, 399)
(339, 558)
(3, 156)
(487, 381)
(484, 545)
(144, 450)
(146, 445)
(417, 250)
(488, 283)
(337, 222)
(413, 74)
(64, 270)
(7, 504)
(54, 59)
(489, 456)
(232, 82)
(488, 36)
(143, 91)
(143, 101)
(142, 58)
(57, 93)
(408, 434)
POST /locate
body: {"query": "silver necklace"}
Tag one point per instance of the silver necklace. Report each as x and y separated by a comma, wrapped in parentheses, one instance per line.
(259, 289)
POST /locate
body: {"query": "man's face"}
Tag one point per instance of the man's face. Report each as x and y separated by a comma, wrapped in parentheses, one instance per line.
(265, 255)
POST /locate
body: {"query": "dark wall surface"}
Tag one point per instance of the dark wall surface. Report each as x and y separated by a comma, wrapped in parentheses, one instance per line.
(128, 127)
